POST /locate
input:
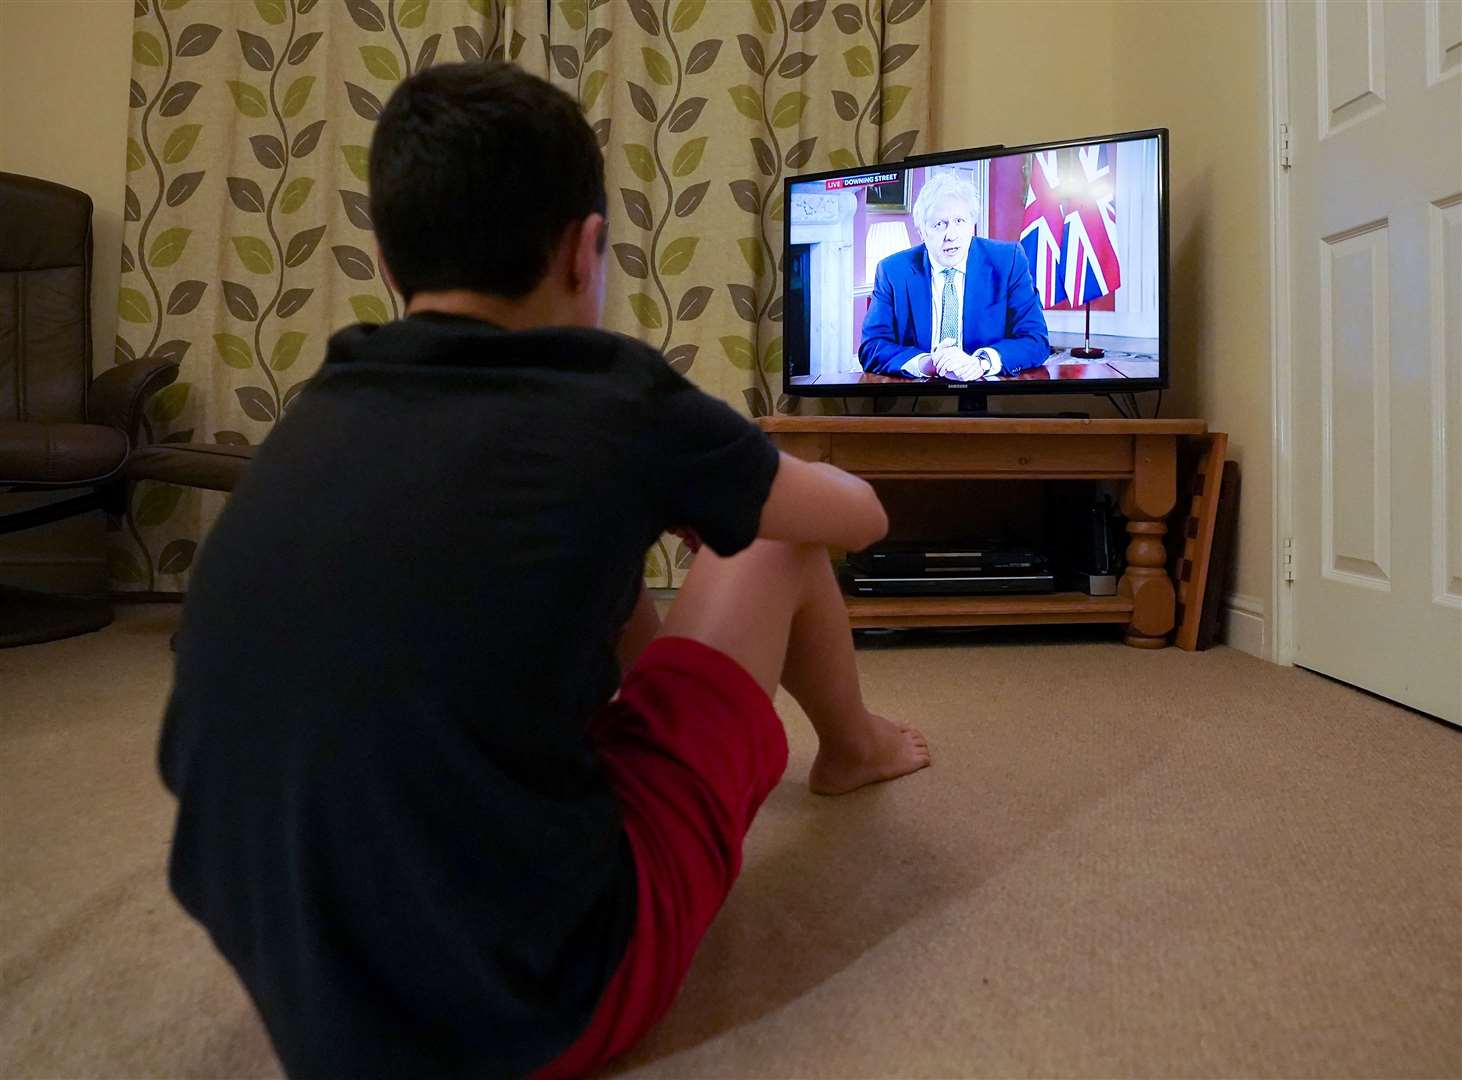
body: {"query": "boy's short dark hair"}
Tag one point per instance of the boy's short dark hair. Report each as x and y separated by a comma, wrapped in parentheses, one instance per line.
(475, 171)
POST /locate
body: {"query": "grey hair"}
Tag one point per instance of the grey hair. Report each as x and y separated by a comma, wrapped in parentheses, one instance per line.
(940, 185)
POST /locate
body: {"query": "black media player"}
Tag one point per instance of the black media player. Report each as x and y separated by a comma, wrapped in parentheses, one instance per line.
(984, 584)
(969, 559)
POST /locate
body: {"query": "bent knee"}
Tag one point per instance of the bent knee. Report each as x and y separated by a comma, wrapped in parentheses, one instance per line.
(785, 553)
(776, 564)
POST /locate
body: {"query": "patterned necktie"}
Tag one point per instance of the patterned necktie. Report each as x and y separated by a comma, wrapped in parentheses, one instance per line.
(948, 311)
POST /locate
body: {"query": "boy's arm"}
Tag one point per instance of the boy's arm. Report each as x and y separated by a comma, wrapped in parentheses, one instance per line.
(817, 503)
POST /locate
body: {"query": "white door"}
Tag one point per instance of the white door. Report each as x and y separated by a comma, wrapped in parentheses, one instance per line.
(1375, 117)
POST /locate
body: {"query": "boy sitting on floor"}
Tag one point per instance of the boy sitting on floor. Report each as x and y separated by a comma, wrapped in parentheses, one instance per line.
(413, 813)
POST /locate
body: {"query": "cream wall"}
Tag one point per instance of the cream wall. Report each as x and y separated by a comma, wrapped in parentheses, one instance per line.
(64, 70)
(1201, 70)
(985, 86)
(1205, 76)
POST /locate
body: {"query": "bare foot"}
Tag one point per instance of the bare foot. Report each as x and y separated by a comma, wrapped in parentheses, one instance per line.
(893, 750)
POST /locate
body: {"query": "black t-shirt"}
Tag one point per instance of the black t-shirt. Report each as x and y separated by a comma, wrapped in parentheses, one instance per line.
(390, 819)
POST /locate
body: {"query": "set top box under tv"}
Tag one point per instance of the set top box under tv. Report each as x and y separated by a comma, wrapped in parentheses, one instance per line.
(1060, 253)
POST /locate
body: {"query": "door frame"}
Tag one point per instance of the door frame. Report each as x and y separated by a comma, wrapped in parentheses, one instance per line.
(1282, 622)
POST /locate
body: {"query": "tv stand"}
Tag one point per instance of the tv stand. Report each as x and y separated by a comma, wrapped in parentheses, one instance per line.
(1141, 454)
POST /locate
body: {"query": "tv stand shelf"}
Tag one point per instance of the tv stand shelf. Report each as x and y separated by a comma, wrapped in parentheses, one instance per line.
(1141, 454)
(867, 612)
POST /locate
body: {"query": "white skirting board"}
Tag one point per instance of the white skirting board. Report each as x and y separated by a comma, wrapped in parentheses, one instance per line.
(1243, 625)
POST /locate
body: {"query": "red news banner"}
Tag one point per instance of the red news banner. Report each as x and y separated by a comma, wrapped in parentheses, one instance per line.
(858, 181)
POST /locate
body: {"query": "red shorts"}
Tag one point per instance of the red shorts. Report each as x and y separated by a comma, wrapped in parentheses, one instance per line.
(692, 746)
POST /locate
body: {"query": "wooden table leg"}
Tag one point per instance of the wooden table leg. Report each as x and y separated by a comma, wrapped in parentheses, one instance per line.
(1147, 500)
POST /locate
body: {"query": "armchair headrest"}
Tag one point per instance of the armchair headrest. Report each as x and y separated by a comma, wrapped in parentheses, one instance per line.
(45, 299)
(43, 225)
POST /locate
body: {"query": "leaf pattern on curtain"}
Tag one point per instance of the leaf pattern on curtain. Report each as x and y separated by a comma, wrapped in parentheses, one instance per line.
(703, 110)
(247, 219)
(246, 156)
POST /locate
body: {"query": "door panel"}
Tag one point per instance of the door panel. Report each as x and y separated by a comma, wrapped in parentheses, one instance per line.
(1446, 395)
(1376, 262)
(1355, 369)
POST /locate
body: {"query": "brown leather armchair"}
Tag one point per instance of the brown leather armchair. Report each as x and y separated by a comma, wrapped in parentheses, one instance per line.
(60, 428)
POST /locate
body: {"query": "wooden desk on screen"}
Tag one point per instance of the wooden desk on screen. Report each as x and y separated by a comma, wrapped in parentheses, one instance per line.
(1142, 454)
(1060, 368)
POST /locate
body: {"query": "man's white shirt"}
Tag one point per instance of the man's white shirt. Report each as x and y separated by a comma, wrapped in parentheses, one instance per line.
(915, 364)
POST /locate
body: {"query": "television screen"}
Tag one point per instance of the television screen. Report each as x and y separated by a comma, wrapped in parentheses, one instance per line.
(1037, 268)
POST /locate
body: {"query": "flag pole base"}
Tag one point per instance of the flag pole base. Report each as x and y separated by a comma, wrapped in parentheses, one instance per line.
(1088, 353)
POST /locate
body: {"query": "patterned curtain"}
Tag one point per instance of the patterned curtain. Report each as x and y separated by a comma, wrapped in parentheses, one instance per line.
(247, 224)
(703, 109)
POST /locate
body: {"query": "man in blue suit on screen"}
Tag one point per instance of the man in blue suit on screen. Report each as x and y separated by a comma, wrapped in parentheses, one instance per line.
(956, 307)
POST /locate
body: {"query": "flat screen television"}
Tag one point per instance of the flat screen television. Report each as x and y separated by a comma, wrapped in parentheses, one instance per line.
(998, 270)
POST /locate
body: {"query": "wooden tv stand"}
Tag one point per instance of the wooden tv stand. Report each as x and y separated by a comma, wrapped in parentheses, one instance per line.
(1142, 454)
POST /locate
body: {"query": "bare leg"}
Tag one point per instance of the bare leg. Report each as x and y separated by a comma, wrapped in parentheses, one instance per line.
(776, 609)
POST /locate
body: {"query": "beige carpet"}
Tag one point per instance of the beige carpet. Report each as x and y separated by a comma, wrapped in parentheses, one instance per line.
(1122, 863)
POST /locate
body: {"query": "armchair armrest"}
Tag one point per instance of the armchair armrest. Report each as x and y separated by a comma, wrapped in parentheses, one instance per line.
(117, 395)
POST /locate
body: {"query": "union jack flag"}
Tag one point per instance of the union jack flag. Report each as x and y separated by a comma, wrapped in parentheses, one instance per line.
(1089, 262)
(1041, 229)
